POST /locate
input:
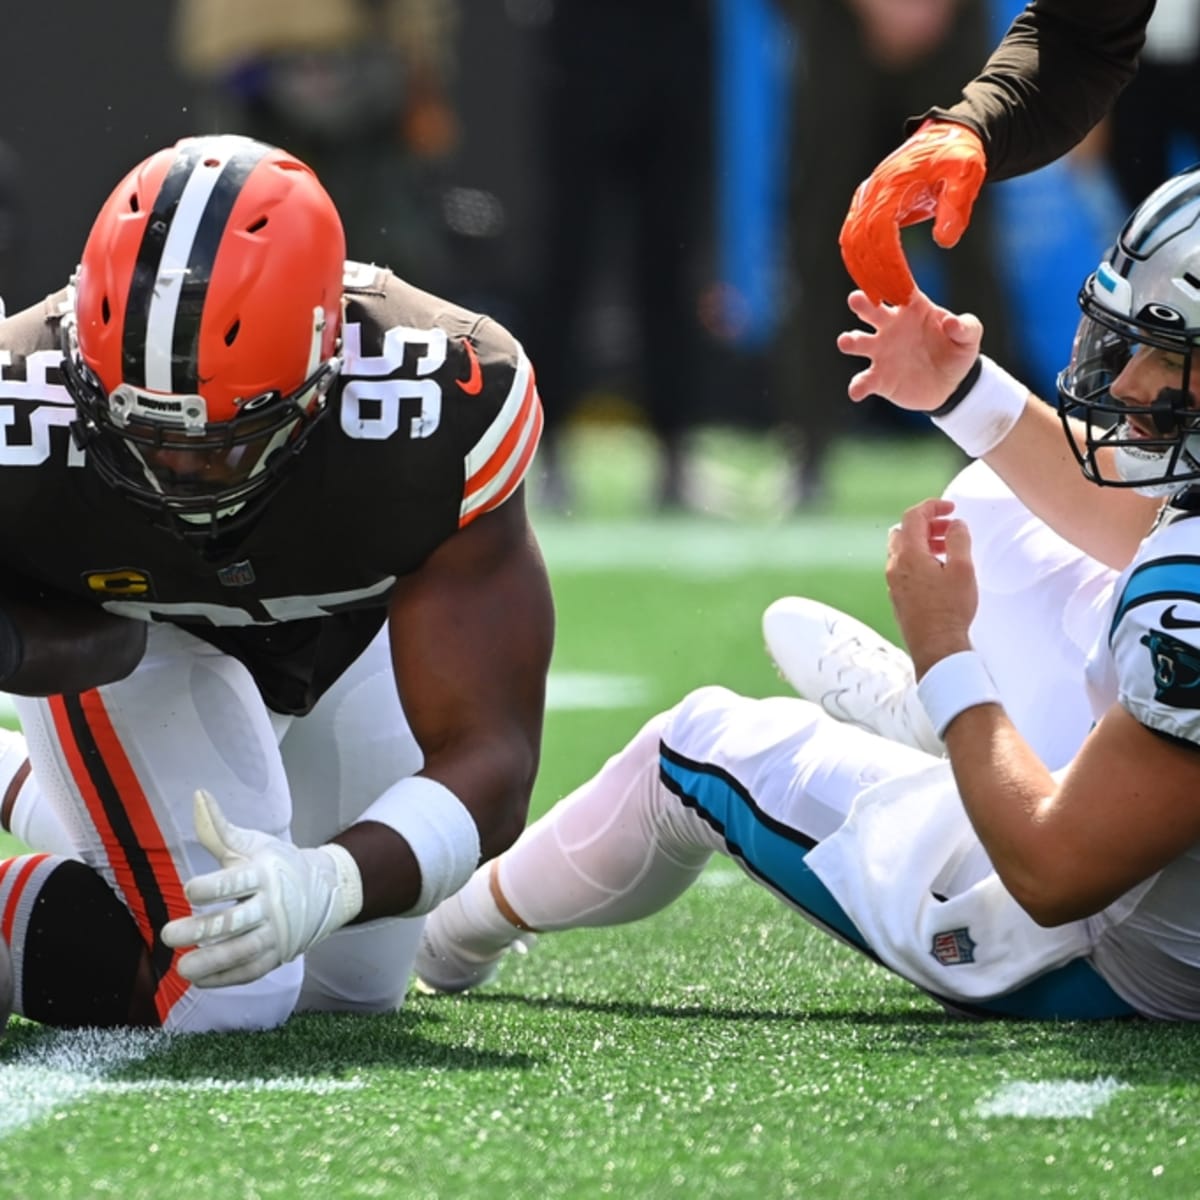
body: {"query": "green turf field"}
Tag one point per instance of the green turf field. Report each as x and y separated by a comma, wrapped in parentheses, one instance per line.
(722, 1049)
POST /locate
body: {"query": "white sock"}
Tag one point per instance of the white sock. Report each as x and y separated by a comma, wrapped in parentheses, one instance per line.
(32, 819)
(619, 848)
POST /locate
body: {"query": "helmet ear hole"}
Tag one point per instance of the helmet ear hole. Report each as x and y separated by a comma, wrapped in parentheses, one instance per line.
(232, 332)
(105, 310)
(256, 225)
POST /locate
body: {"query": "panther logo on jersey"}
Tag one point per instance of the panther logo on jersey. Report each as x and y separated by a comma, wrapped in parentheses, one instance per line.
(1176, 670)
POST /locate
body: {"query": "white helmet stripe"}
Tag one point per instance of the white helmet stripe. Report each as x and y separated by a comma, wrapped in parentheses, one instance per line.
(175, 261)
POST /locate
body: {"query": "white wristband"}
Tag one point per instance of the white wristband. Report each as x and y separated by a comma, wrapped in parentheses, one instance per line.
(954, 684)
(439, 830)
(986, 415)
(346, 895)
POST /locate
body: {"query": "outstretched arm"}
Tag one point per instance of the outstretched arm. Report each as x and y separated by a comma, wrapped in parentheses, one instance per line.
(920, 354)
(1058, 70)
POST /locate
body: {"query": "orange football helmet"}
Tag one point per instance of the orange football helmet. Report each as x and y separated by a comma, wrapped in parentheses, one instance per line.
(205, 326)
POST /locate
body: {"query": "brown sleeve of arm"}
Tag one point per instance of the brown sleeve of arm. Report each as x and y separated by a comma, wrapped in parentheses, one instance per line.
(53, 644)
(1058, 70)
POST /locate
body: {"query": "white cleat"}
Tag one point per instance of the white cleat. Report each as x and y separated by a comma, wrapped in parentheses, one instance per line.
(445, 968)
(852, 672)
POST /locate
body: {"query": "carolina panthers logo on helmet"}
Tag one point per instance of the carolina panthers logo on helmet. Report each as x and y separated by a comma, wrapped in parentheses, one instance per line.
(1176, 670)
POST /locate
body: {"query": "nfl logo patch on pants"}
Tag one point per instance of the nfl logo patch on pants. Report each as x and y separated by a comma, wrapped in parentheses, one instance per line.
(953, 946)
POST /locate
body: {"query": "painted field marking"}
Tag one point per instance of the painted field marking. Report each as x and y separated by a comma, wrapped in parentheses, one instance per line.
(566, 691)
(1061, 1098)
(68, 1066)
(64, 1067)
(572, 690)
(709, 548)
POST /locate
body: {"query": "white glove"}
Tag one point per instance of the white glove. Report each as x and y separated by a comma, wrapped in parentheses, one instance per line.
(287, 899)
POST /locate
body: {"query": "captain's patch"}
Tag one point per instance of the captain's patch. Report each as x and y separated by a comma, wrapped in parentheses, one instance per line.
(123, 581)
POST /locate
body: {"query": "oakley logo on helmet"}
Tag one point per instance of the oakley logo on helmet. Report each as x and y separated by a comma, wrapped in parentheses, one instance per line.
(1163, 316)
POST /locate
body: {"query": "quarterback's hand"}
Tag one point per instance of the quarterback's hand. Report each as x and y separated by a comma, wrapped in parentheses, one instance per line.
(919, 351)
(931, 582)
(285, 900)
(936, 173)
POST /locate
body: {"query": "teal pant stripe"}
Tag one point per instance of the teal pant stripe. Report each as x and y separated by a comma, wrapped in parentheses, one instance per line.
(776, 855)
(1070, 993)
(771, 851)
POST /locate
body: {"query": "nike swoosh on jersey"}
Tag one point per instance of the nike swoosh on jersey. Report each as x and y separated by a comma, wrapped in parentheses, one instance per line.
(473, 384)
(1171, 621)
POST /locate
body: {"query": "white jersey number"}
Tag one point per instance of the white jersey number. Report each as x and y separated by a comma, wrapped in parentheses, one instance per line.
(371, 402)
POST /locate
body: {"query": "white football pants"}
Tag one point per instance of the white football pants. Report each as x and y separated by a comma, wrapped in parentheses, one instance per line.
(119, 766)
(865, 837)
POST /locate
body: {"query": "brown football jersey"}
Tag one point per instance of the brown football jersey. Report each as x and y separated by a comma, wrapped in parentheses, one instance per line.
(432, 422)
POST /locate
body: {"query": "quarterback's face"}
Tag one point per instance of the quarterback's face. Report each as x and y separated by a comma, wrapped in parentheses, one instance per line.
(1149, 373)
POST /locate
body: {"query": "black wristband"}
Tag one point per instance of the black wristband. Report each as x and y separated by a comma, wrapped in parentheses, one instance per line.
(961, 392)
(12, 648)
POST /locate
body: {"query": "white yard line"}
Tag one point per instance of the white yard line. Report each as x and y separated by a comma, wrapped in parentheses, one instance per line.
(1054, 1098)
(573, 690)
(711, 547)
(63, 1068)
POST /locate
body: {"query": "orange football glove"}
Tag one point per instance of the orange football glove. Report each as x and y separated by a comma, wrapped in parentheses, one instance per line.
(936, 173)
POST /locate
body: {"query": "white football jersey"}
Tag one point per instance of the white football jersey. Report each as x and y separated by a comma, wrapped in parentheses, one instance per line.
(1147, 659)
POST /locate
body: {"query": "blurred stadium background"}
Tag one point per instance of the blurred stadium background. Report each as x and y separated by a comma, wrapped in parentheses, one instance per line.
(723, 1049)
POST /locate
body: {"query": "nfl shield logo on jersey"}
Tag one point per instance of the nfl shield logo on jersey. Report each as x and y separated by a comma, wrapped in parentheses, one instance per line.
(238, 574)
(953, 947)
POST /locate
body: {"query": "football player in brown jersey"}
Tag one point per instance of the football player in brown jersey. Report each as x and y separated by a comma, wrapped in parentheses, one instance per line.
(296, 691)
(1057, 71)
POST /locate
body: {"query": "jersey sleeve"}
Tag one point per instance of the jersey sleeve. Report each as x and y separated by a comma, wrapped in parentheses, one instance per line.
(496, 464)
(1155, 642)
(1057, 71)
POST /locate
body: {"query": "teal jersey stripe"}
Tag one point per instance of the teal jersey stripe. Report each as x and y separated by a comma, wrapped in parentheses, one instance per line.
(1176, 578)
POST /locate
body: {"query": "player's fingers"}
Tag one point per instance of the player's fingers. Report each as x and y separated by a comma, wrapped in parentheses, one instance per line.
(231, 883)
(862, 385)
(246, 972)
(203, 928)
(870, 243)
(865, 309)
(856, 343)
(963, 329)
(883, 273)
(954, 206)
(222, 960)
(958, 544)
(918, 522)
